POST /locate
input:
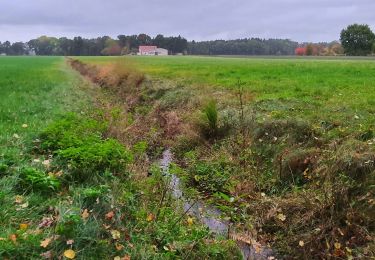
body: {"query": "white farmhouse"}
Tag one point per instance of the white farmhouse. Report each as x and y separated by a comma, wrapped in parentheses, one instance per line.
(151, 51)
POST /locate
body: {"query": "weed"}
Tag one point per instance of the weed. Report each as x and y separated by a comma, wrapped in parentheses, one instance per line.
(37, 181)
(210, 177)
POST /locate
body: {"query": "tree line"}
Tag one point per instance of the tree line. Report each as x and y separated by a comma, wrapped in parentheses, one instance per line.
(128, 44)
(251, 46)
(100, 46)
(356, 40)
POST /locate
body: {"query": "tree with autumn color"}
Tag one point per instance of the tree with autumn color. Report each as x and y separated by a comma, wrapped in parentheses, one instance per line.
(357, 39)
(112, 48)
(300, 51)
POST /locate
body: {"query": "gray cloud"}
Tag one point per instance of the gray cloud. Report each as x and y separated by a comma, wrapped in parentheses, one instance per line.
(319, 20)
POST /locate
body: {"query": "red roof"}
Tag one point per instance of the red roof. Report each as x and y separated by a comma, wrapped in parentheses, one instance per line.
(147, 49)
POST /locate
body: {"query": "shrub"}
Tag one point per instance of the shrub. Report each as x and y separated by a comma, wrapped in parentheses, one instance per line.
(97, 157)
(71, 131)
(78, 142)
(31, 178)
(210, 177)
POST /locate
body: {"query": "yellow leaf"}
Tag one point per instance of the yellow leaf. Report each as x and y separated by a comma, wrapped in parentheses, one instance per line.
(45, 242)
(115, 234)
(190, 221)
(2, 239)
(23, 226)
(18, 199)
(70, 254)
(281, 216)
(119, 247)
(337, 245)
(24, 126)
(150, 217)
(85, 214)
(301, 243)
(117, 258)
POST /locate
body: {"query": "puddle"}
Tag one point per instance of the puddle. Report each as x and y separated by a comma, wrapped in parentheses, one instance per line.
(211, 217)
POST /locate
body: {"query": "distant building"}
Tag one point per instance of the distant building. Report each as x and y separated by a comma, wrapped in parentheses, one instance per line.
(151, 51)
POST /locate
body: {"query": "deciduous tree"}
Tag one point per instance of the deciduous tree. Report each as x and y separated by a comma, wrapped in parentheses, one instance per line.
(357, 39)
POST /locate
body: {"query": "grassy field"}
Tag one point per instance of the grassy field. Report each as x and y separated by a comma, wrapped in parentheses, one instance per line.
(68, 190)
(292, 145)
(287, 155)
(318, 90)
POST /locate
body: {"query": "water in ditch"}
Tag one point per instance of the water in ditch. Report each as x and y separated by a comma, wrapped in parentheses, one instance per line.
(210, 216)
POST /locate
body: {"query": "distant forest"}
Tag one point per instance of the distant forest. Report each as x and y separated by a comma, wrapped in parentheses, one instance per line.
(128, 44)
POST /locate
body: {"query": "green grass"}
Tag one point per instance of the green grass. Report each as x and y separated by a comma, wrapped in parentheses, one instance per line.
(61, 175)
(34, 91)
(317, 90)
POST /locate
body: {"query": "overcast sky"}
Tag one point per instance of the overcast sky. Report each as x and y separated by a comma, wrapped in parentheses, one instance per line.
(317, 20)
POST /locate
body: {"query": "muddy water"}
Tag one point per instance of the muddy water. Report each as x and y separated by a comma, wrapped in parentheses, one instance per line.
(211, 216)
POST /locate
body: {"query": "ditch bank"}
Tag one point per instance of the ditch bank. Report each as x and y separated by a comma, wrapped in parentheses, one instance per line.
(212, 217)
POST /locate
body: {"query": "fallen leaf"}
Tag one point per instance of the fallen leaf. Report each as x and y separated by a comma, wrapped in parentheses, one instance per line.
(45, 242)
(16, 136)
(46, 163)
(301, 243)
(115, 234)
(13, 238)
(117, 258)
(23, 226)
(119, 247)
(85, 214)
(70, 254)
(46, 222)
(337, 245)
(109, 215)
(2, 239)
(106, 226)
(59, 173)
(70, 242)
(18, 199)
(150, 217)
(24, 126)
(190, 221)
(24, 205)
(281, 216)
